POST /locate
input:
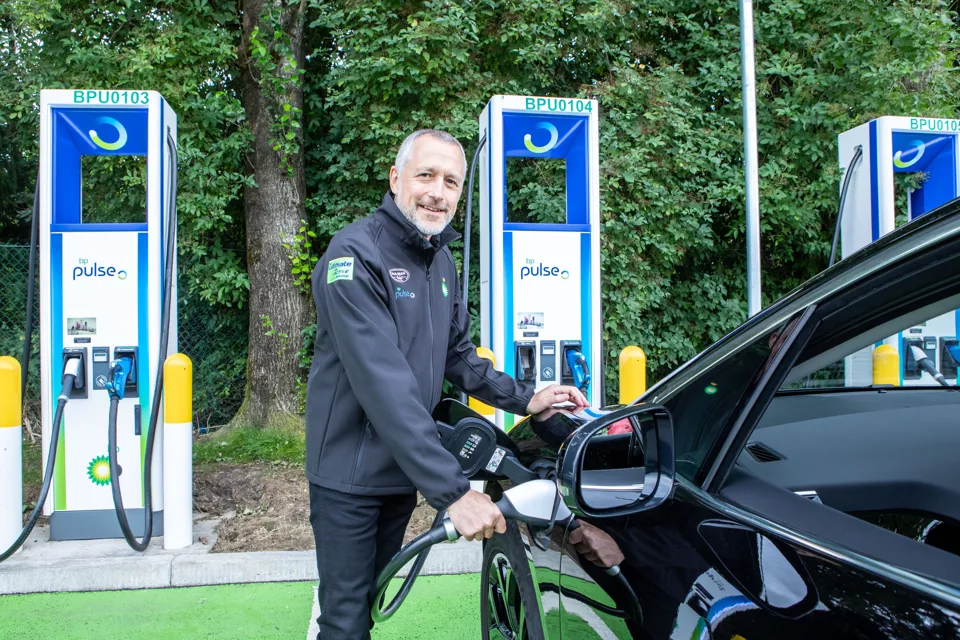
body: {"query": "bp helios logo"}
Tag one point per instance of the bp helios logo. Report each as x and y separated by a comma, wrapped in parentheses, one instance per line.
(121, 135)
(534, 269)
(898, 156)
(99, 471)
(554, 136)
(86, 270)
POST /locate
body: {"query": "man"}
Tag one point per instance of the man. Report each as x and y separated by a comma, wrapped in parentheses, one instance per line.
(390, 326)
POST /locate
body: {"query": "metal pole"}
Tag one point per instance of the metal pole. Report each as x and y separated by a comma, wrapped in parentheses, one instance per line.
(750, 156)
(177, 452)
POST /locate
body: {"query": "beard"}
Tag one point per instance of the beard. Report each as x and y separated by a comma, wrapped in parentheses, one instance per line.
(424, 226)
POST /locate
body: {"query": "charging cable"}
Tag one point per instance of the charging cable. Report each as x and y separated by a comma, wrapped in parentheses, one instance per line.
(71, 371)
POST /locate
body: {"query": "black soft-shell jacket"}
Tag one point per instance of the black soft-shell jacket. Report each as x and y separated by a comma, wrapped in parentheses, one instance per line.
(390, 326)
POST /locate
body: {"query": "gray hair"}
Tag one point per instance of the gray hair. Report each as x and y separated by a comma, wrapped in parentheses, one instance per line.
(407, 147)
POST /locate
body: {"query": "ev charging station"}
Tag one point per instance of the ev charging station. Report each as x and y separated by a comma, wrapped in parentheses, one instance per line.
(890, 145)
(540, 282)
(101, 299)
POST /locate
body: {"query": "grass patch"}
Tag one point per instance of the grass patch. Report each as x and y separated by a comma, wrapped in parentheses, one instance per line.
(32, 473)
(32, 469)
(249, 444)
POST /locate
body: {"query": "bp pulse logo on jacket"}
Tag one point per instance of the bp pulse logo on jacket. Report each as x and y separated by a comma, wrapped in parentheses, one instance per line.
(535, 269)
(400, 275)
(403, 293)
(85, 270)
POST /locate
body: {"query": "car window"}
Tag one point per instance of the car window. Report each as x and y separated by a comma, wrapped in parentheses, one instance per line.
(918, 347)
(702, 408)
(865, 421)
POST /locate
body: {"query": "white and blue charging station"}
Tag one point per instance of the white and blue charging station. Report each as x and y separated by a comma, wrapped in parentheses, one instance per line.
(101, 285)
(540, 282)
(894, 144)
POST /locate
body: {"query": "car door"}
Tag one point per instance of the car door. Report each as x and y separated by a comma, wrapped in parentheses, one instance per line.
(776, 528)
(671, 552)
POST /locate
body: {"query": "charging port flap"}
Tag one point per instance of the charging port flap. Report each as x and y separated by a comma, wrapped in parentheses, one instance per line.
(948, 363)
(526, 358)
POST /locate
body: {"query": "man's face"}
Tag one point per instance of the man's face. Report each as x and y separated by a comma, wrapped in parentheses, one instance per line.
(429, 187)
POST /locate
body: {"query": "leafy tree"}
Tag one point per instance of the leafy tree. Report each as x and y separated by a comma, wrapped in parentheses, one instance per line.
(184, 49)
(667, 76)
(293, 112)
(271, 66)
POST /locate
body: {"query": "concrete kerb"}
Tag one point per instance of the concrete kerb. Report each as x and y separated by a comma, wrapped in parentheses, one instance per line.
(109, 565)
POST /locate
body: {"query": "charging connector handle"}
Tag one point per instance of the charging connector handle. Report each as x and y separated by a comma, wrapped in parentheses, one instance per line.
(71, 371)
(926, 364)
(119, 372)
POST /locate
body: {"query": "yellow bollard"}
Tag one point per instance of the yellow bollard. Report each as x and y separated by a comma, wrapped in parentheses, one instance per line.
(11, 452)
(177, 452)
(478, 406)
(886, 365)
(633, 374)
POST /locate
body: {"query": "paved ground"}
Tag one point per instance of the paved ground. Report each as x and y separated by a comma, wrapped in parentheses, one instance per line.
(104, 565)
(438, 608)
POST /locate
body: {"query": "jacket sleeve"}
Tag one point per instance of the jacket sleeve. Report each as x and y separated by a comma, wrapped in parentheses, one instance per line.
(477, 376)
(364, 336)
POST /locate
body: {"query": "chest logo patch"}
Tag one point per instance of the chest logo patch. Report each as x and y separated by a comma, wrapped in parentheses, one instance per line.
(443, 286)
(400, 275)
(403, 293)
(339, 269)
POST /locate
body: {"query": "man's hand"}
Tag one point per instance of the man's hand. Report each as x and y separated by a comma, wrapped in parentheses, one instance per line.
(476, 517)
(543, 400)
(596, 546)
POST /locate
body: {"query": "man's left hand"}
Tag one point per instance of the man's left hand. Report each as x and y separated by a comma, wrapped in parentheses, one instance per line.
(544, 399)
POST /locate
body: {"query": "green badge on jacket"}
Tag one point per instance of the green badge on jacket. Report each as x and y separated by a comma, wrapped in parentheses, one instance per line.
(443, 285)
(339, 269)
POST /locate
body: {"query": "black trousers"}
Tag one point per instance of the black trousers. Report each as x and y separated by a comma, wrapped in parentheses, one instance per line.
(356, 536)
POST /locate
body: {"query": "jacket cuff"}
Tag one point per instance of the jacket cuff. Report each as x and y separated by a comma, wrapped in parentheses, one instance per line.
(442, 501)
(518, 405)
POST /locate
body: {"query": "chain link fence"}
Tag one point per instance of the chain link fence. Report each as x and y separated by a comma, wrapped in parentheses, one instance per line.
(215, 339)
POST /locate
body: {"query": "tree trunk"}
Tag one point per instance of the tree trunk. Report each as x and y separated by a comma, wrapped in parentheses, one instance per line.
(274, 207)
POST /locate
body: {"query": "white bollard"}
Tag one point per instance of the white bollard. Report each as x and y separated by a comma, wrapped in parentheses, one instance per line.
(177, 452)
(11, 453)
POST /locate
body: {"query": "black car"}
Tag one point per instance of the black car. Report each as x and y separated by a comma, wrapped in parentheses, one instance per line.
(768, 488)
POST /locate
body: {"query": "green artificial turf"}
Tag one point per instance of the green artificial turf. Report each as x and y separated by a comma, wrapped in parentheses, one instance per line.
(438, 608)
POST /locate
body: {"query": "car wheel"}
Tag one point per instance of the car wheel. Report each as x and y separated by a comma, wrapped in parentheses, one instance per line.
(509, 604)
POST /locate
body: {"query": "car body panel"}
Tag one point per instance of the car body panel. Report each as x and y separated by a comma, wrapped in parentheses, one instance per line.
(704, 566)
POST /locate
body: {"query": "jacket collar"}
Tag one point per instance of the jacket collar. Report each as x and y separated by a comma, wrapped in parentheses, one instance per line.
(401, 228)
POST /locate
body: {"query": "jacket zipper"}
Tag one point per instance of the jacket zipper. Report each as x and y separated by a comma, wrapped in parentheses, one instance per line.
(363, 443)
(430, 323)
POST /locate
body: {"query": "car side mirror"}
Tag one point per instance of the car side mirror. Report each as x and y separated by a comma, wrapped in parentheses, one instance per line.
(619, 464)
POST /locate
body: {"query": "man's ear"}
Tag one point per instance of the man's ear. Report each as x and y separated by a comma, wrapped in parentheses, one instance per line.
(394, 179)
